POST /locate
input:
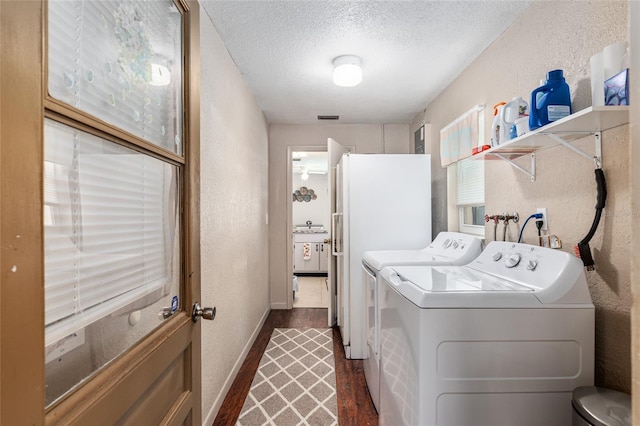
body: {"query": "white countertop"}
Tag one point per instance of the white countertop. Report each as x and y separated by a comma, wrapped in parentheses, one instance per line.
(309, 231)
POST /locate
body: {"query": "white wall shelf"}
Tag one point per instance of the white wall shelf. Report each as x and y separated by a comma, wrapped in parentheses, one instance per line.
(589, 121)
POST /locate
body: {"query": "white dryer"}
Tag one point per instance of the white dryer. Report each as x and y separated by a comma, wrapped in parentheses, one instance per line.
(448, 248)
(502, 341)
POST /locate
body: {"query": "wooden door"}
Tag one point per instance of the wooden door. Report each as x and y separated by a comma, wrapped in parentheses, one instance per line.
(157, 379)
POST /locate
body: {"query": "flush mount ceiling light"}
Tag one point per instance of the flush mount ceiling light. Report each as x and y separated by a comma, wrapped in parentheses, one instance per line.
(347, 71)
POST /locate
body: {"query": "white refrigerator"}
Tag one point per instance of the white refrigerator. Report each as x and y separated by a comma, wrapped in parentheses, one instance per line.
(383, 202)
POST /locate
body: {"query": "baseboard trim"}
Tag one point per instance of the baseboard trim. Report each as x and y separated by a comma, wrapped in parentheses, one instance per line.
(275, 306)
(213, 412)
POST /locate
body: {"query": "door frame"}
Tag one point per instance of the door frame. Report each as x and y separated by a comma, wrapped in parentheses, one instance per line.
(21, 220)
(634, 38)
(290, 151)
(22, 359)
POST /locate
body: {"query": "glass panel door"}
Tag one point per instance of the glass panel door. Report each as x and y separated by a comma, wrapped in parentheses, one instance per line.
(120, 61)
(113, 240)
(112, 251)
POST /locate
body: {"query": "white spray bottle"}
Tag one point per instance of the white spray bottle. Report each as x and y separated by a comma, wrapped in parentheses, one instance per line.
(495, 127)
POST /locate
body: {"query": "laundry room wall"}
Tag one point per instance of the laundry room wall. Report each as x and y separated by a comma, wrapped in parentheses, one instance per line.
(234, 229)
(366, 138)
(556, 35)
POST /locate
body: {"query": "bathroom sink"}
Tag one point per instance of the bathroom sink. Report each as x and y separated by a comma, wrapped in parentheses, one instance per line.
(309, 230)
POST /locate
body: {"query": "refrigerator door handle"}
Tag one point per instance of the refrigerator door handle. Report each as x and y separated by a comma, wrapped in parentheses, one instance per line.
(334, 227)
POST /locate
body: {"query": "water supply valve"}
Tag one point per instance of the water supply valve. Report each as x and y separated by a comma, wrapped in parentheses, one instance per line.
(514, 217)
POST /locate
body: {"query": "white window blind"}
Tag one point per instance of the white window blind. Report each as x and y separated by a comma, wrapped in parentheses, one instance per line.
(470, 182)
(120, 61)
(110, 228)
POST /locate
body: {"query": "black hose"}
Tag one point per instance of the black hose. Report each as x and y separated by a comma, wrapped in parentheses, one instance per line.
(583, 245)
(602, 198)
(602, 189)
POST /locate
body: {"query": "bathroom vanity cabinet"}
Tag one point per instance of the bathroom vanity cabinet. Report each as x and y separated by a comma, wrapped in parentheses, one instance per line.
(318, 252)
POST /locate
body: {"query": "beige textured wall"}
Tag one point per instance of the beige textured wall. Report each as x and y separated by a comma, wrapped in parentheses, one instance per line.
(234, 232)
(366, 138)
(396, 139)
(439, 208)
(551, 35)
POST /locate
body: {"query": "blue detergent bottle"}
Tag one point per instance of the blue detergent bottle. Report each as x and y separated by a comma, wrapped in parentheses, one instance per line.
(550, 102)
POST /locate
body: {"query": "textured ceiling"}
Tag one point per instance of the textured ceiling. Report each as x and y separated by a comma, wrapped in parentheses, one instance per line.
(410, 50)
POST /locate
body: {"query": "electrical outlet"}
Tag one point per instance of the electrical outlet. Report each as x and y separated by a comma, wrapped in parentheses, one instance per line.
(543, 210)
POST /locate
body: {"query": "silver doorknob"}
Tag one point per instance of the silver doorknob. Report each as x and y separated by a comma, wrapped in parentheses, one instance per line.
(205, 313)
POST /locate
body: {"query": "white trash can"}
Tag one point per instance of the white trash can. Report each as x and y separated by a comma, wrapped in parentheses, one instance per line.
(294, 286)
(594, 406)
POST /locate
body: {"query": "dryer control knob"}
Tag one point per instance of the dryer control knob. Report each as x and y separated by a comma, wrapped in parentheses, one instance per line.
(497, 256)
(455, 244)
(513, 260)
(446, 243)
(532, 264)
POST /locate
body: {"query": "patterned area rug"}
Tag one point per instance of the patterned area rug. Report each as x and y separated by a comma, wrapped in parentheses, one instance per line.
(295, 383)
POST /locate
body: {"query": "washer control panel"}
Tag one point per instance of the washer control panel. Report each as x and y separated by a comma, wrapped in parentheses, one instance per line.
(454, 244)
(512, 255)
(448, 248)
(524, 263)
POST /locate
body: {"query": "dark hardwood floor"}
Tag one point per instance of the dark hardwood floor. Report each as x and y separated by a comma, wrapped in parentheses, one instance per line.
(354, 403)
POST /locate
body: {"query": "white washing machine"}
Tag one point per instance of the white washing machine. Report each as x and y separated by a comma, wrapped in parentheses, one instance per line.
(502, 341)
(448, 248)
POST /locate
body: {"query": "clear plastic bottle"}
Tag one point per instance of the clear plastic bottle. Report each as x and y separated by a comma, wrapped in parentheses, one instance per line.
(512, 110)
(495, 127)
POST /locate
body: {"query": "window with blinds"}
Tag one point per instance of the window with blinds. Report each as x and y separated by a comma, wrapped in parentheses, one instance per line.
(120, 61)
(111, 228)
(470, 195)
(470, 182)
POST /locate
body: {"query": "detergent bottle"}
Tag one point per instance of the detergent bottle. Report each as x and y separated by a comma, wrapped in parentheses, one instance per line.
(551, 101)
(495, 127)
(511, 111)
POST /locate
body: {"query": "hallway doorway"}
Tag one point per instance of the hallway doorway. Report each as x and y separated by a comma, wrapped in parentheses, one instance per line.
(310, 228)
